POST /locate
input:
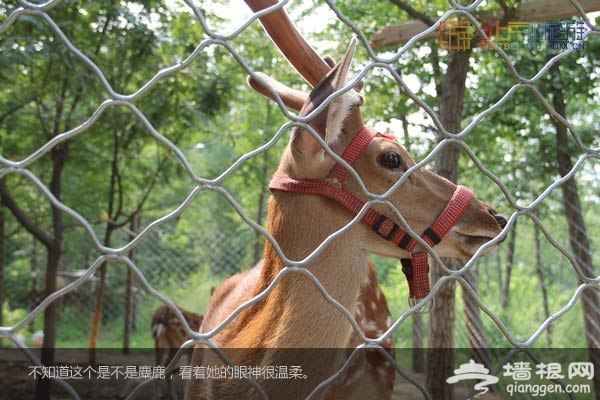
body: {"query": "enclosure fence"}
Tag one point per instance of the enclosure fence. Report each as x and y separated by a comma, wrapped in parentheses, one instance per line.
(586, 155)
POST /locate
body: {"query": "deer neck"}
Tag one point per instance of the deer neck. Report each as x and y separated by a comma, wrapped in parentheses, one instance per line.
(304, 317)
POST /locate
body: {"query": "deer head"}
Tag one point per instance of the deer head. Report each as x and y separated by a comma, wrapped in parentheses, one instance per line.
(420, 199)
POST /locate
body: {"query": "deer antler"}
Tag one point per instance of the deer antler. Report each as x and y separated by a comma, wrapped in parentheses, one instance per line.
(265, 85)
(290, 42)
(296, 50)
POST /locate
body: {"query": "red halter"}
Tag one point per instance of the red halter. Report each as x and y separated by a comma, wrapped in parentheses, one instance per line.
(415, 268)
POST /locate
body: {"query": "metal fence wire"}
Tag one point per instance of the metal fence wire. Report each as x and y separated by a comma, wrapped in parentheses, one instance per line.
(551, 234)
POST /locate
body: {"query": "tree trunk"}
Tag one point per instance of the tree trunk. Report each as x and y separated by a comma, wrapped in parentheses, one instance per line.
(477, 340)
(440, 356)
(54, 248)
(510, 258)
(115, 190)
(97, 318)
(418, 354)
(35, 292)
(128, 320)
(498, 262)
(539, 267)
(441, 326)
(578, 238)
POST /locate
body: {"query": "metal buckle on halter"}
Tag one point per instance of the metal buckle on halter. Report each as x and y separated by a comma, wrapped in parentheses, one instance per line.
(380, 222)
(431, 234)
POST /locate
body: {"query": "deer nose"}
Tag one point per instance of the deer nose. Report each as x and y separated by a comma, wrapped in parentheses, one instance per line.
(500, 219)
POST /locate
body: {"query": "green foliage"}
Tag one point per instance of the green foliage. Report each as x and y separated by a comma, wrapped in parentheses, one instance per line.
(208, 112)
(525, 312)
(194, 295)
(12, 316)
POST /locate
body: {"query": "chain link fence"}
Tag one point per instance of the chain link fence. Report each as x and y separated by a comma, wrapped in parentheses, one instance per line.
(545, 266)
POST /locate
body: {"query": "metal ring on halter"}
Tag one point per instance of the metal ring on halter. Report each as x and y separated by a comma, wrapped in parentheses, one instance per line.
(424, 309)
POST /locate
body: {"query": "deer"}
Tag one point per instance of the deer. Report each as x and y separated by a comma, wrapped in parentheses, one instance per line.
(169, 335)
(168, 332)
(315, 198)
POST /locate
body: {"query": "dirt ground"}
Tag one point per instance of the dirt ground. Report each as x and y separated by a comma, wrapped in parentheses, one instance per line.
(17, 381)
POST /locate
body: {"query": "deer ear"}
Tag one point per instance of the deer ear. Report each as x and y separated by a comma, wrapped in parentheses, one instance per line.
(341, 107)
(328, 124)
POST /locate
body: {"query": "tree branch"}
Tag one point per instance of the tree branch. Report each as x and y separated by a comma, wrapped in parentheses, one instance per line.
(413, 12)
(505, 8)
(13, 110)
(22, 217)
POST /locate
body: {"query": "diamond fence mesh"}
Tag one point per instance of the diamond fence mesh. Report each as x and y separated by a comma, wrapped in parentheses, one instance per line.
(135, 161)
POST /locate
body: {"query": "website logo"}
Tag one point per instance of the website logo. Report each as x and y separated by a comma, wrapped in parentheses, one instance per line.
(522, 374)
(461, 35)
(473, 370)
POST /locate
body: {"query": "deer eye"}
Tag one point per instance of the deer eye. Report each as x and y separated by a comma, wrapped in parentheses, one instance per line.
(390, 160)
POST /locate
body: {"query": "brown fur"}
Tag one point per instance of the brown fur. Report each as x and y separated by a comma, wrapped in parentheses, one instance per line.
(169, 333)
